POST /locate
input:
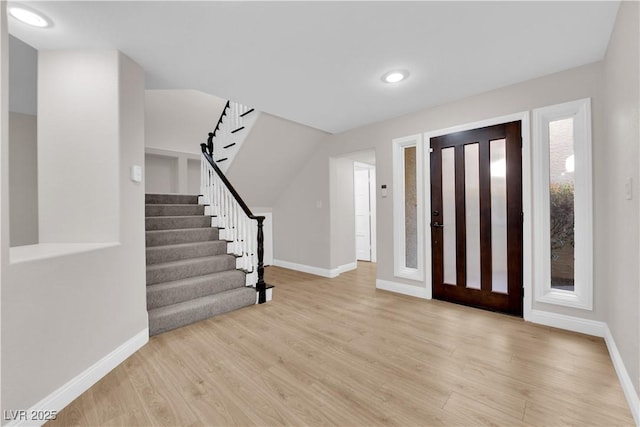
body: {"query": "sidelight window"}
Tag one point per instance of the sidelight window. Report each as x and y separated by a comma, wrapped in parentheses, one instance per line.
(407, 202)
(562, 169)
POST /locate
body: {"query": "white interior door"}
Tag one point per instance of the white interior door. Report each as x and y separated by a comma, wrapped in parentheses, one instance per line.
(363, 213)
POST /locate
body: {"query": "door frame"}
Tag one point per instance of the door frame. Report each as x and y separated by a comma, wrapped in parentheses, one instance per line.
(527, 193)
(372, 206)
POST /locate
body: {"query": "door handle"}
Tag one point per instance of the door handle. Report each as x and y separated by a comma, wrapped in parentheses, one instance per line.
(435, 224)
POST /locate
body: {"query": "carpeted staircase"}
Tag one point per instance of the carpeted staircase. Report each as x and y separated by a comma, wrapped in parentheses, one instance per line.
(190, 277)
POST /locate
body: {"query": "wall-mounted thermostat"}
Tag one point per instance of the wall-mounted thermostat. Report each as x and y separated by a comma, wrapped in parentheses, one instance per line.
(383, 189)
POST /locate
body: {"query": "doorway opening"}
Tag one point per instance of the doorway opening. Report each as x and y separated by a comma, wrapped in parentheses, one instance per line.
(364, 193)
(353, 234)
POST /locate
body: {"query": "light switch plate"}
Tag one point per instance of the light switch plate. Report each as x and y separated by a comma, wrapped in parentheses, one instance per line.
(136, 173)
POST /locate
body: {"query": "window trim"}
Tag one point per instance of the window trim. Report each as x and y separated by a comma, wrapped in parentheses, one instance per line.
(399, 245)
(582, 295)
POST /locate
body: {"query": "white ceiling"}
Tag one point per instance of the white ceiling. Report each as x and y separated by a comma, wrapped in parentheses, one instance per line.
(320, 63)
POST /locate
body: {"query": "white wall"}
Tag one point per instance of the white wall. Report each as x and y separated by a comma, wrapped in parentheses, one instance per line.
(301, 215)
(176, 123)
(180, 120)
(161, 174)
(342, 211)
(62, 314)
(273, 153)
(22, 77)
(620, 226)
(23, 179)
(77, 126)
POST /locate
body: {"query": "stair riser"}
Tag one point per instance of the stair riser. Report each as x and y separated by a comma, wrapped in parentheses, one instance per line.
(221, 303)
(161, 273)
(172, 237)
(159, 254)
(165, 294)
(173, 210)
(173, 223)
(170, 199)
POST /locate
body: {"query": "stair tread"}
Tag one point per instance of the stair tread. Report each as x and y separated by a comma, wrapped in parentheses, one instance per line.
(197, 302)
(176, 229)
(165, 217)
(157, 238)
(190, 280)
(168, 317)
(159, 198)
(172, 204)
(172, 194)
(183, 262)
(186, 250)
(187, 245)
(176, 291)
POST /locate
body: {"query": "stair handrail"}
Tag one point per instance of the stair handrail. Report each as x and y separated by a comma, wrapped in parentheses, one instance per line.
(260, 283)
(213, 134)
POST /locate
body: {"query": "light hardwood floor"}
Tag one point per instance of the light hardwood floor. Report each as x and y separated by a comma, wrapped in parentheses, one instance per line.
(340, 352)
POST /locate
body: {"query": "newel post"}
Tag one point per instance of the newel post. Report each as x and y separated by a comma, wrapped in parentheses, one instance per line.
(261, 286)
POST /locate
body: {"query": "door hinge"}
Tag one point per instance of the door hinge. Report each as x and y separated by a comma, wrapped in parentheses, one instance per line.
(430, 150)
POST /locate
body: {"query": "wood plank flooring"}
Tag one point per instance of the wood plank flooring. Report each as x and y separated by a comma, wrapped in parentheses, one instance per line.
(340, 352)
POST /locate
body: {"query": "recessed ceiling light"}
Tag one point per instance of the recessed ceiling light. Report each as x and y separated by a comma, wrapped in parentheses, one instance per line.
(395, 76)
(28, 16)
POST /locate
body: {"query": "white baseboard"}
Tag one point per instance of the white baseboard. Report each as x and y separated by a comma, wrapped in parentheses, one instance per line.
(324, 272)
(625, 380)
(570, 323)
(66, 394)
(335, 272)
(401, 288)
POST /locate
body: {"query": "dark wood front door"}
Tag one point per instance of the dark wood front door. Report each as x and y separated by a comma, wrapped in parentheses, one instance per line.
(476, 217)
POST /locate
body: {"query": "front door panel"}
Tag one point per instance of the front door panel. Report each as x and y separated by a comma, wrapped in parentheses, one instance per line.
(476, 217)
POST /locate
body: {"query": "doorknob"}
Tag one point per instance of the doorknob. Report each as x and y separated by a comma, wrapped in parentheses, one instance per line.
(435, 224)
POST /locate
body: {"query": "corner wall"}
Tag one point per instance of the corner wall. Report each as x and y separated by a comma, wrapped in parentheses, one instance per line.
(343, 212)
(622, 231)
(301, 224)
(273, 152)
(71, 312)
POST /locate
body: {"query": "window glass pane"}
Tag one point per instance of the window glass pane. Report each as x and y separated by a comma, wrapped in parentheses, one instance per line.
(561, 203)
(497, 150)
(410, 208)
(472, 204)
(449, 215)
